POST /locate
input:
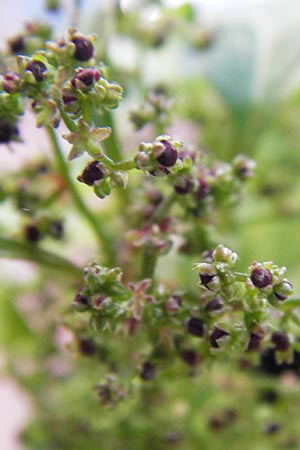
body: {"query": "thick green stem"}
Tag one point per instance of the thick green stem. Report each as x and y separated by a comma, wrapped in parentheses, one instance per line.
(102, 238)
(9, 248)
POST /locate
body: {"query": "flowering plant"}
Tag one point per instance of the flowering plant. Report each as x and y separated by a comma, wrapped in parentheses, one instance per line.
(157, 355)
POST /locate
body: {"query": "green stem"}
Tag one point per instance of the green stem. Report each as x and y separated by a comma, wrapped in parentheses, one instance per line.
(101, 236)
(9, 248)
(124, 165)
(149, 263)
(111, 145)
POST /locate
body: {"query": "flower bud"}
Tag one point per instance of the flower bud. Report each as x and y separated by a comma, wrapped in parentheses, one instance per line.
(261, 277)
(84, 49)
(195, 327)
(38, 69)
(208, 275)
(217, 334)
(85, 78)
(173, 304)
(165, 153)
(91, 174)
(11, 82)
(281, 341)
(254, 342)
(148, 371)
(225, 255)
(81, 302)
(283, 290)
(214, 305)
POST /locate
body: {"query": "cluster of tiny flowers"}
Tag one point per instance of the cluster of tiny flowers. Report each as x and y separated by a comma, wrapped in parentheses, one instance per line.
(232, 318)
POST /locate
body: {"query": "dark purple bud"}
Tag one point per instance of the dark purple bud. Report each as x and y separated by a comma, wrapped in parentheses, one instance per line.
(148, 371)
(85, 78)
(183, 186)
(203, 189)
(32, 234)
(254, 342)
(17, 45)
(81, 302)
(168, 156)
(216, 304)
(281, 341)
(91, 174)
(38, 69)
(217, 334)
(87, 347)
(7, 132)
(190, 357)
(11, 82)
(216, 423)
(195, 327)
(84, 49)
(261, 277)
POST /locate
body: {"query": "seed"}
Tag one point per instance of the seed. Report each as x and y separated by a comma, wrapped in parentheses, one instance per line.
(215, 304)
(195, 327)
(38, 69)
(261, 277)
(85, 78)
(10, 82)
(169, 155)
(91, 174)
(84, 49)
(190, 357)
(280, 340)
(217, 334)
